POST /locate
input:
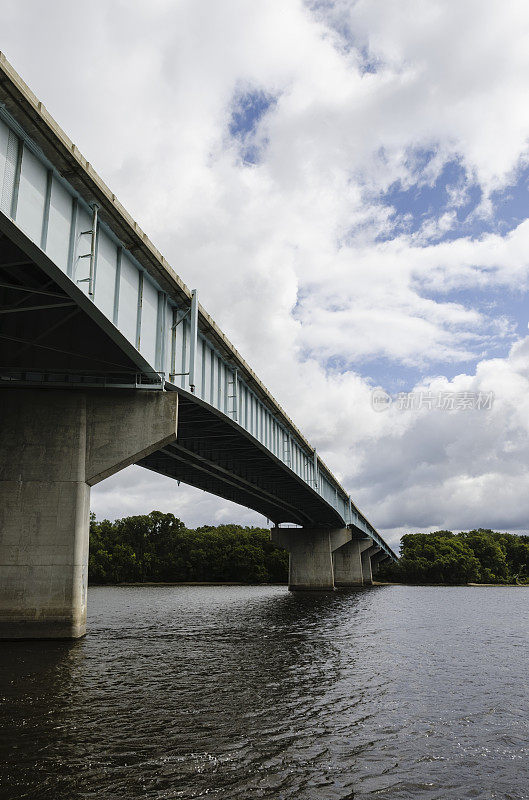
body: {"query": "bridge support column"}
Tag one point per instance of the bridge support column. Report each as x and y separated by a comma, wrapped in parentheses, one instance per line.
(55, 444)
(348, 568)
(367, 573)
(310, 563)
(377, 560)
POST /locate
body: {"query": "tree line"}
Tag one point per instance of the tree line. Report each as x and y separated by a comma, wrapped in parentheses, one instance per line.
(158, 547)
(478, 556)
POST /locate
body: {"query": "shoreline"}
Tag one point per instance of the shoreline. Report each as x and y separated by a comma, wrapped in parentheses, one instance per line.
(457, 585)
(375, 583)
(185, 583)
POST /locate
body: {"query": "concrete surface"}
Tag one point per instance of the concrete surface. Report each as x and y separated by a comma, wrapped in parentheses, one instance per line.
(54, 445)
(311, 555)
(348, 569)
(367, 555)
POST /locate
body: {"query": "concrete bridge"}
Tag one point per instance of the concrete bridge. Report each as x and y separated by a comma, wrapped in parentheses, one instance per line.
(107, 359)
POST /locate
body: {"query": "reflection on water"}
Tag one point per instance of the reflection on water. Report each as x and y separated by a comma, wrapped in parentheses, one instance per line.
(252, 692)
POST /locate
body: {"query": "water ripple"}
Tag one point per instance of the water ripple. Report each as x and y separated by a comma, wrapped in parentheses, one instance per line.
(251, 692)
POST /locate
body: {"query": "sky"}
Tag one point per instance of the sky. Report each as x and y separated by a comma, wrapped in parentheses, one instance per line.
(346, 183)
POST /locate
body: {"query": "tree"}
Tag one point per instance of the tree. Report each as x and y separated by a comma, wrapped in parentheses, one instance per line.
(159, 547)
(473, 556)
(490, 554)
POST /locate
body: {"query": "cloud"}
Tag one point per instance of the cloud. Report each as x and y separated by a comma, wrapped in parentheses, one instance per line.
(456, 469)
(138, 491)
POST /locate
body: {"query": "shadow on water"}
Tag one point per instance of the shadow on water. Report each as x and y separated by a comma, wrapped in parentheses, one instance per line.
(37, 730)
(183, 691)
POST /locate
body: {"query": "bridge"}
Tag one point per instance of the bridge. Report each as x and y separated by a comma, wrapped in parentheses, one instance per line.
(107, 359)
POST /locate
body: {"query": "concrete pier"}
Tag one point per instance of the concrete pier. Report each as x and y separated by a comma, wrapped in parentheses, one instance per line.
(348, 568)
(367, 554)
(310, 563)
(54, 445)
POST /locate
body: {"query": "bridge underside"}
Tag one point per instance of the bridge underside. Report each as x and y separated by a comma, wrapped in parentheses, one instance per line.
(46, 333)
(214, 454)
(49, 338)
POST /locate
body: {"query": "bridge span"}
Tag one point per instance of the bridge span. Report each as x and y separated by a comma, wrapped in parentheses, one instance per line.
(107, 359)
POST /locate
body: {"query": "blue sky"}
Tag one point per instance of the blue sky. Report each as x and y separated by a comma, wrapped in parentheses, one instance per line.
(453, 189)
(248, 109)
(424, 201)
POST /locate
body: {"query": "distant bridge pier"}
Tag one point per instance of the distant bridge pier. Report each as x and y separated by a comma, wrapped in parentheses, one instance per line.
(311, 561)
(55, 445)
(348, 566)
(322, 559)
(367, 555)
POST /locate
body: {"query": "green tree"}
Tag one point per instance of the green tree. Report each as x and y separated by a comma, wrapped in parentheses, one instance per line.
(490, 554)
(434, 558)
(159, 547)
(480, 555)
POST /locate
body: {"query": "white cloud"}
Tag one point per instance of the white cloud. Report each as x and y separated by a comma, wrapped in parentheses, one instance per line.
(138, 491)
(455, 469)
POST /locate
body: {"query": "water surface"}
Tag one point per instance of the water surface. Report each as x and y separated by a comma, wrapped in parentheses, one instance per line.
(251, 692)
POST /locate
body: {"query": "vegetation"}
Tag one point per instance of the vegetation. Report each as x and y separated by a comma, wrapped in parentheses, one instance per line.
(479, 556)
(159, 547)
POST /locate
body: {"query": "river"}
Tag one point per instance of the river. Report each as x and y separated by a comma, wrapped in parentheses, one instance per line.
(252, 692)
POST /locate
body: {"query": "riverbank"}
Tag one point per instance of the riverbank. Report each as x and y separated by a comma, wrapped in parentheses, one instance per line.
(281, 583)
(188, 583)
(456, 585)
